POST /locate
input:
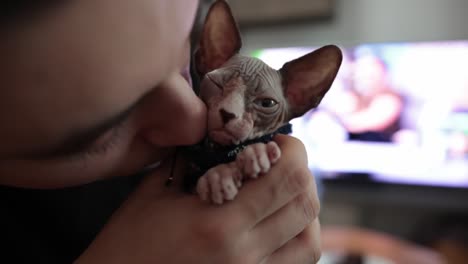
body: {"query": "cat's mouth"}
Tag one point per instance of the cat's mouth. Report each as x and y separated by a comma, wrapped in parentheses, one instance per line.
(223, 137)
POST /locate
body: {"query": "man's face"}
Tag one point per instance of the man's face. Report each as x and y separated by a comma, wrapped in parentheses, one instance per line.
(96, 88)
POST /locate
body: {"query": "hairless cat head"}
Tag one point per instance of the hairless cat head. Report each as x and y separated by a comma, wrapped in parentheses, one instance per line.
(245, 97)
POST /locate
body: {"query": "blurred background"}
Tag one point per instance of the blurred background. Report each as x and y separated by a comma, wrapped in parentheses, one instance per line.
(389, 143)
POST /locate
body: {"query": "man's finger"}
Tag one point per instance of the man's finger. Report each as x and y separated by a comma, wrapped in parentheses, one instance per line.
(303, 249)
(286, 223)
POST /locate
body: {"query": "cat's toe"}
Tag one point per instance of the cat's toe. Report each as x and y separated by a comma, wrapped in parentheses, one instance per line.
(220, 183)
(214, 182)
(248, 163)
(229, 187)
(203, 188)
(274, 152)
(257, 159)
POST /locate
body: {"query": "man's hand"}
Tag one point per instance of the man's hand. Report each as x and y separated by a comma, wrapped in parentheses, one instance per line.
(272, 220)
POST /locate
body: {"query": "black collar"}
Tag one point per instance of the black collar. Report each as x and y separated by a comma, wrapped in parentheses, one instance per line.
(208, 154)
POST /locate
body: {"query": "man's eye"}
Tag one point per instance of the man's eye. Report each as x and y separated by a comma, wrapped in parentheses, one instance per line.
(266, 102)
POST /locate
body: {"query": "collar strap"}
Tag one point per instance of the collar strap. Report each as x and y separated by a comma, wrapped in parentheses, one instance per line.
(286, 129)
(235, 149)
(206, 154)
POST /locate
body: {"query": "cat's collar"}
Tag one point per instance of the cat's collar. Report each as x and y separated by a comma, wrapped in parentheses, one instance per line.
(234, 149)
(208, 154)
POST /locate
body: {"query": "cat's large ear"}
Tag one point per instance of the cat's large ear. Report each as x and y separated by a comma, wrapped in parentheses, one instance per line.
(307, 79)
(220, 38)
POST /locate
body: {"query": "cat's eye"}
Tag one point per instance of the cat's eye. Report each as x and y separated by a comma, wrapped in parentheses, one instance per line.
(266, 102)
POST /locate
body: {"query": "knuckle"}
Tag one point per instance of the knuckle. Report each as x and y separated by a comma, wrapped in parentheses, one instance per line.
(244, 258)
(298, 148)
(313, 252)
(307, 207)
(252, 210)
(298, 181)
(216, 234)
(251, 258)
(317, 254)
(296, 142)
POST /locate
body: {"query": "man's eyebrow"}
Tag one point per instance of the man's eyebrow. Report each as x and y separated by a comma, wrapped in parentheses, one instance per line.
(81, 139)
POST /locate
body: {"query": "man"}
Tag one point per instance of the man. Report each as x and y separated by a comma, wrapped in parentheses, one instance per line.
(95, 89)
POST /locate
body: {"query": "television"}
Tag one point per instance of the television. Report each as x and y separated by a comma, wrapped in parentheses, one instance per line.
(396, 113)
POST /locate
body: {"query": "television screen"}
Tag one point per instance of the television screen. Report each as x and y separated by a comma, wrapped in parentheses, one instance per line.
(396, 113)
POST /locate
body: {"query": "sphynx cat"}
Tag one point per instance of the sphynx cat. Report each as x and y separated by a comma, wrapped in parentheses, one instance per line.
(246, 99)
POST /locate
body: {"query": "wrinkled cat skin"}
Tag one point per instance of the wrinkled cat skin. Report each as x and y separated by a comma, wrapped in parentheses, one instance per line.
(246, 99)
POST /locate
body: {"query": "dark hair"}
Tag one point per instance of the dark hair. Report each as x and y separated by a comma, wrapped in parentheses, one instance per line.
(16, 11)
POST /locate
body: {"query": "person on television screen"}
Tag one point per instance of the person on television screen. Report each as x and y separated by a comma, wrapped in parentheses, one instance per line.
(377, 108)
(456, 125)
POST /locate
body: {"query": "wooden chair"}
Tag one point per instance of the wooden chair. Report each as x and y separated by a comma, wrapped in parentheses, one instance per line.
(359, 241)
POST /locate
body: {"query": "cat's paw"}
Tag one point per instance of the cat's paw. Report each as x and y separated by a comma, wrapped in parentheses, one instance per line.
(258, 158)
(220, 183)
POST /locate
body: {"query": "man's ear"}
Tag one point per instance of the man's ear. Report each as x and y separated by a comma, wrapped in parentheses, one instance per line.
(307, 79)
(220, 38)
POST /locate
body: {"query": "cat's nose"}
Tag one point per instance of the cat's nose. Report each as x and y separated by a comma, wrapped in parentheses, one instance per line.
(226, 116)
